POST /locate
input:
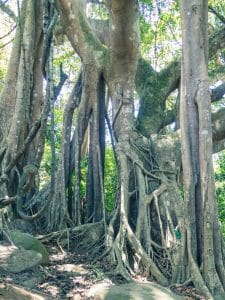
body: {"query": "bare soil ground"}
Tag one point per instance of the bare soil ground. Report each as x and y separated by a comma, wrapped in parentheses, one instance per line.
(70, 275)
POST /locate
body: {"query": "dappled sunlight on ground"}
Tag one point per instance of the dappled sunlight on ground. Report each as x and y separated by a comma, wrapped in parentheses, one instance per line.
(74, 276)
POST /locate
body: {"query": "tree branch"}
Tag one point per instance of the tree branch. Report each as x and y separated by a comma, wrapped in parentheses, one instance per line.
(8, 33)
(218, 92)
(101, 29)
(79, 31)
(4, 45)
(219, 16)
(216, 41)
(63, 77)
(153, 87)
(6, 9)
(170, 77)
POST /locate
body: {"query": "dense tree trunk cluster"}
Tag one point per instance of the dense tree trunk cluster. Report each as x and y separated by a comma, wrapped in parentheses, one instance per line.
(165, 222)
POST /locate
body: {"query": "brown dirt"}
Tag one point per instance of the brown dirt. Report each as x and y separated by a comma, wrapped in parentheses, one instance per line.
(70, 276)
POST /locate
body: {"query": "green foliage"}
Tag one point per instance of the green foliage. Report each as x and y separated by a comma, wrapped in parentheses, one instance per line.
(177, 233)
(110, 180)
(3, 66)
(149, 2)
(45, 170)
(171, 101)
(64, 53)
(220, 190)
(216, 63)
(147, 35)
(160, 31)
(83, 174)
(220, 172)
(220, 194)
(7, 33)
(97, 11)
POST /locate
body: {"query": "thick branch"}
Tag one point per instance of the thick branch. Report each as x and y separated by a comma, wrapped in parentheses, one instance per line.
(217, 94)
(101, 29)
(79, 31)
(122, 17)
(154, 88)
(7, 201)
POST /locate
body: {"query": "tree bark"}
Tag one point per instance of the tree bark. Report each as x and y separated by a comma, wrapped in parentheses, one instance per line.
(196, 144)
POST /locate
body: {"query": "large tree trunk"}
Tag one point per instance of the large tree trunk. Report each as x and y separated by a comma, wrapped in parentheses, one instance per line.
(95, 189)
(201, 232)
(21, 101)
(144, 217)
(132, 234)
